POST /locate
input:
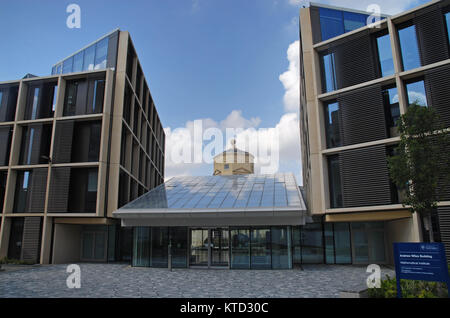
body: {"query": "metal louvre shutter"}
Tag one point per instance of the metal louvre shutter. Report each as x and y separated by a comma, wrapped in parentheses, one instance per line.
(444, 228)
(443, 186)
(365, 177)
(5, 144)
(362, 116)
(355, 62)
(437, 84)
(31, 241)
(432, 37)
(36, 146)
(37, 190)
(63, 142)
(59, 190)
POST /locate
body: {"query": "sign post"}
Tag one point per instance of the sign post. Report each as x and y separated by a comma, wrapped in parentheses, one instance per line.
(420, 261)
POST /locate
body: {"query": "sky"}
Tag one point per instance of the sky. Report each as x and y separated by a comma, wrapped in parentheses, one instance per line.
(226, 63)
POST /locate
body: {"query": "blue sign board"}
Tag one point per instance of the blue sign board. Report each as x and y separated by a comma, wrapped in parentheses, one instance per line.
(420, 261)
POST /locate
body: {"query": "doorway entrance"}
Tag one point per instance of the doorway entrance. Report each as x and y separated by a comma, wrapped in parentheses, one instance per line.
(209, 248)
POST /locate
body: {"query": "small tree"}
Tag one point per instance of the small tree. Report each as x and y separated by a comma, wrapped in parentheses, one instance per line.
(421, 160)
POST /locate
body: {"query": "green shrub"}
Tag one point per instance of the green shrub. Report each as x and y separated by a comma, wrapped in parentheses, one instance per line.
(410, 289)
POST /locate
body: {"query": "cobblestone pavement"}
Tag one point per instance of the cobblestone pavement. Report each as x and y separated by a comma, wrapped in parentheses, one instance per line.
(119, 280)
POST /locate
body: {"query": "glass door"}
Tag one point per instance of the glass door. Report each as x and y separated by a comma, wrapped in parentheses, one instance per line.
(199, 247)
(219, 247)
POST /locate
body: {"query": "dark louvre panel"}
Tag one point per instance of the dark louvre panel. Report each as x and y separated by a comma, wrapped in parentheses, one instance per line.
(362, 116)
(355, 62)
(365, 177)
(444, 228)
(59, 190)
(38, 188)
(63, 142)
(437, 84)
(5, 144)
(36, 146)
(432, 37)
(443, 185)
(31, 239)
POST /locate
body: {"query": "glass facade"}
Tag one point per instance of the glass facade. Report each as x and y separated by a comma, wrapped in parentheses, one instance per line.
(332, 125)
(92, 58)
(409, 47)
(416, 93)
(276, 247)
(447, 23)
(385, 55)
(336, 22)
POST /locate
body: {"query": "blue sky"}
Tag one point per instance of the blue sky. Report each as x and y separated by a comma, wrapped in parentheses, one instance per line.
(203, 59)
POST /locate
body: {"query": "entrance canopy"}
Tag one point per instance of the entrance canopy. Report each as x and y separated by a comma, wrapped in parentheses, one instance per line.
(218, 201)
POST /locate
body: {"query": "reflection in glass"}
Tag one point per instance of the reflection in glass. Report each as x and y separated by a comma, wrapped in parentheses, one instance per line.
(219, 247)
(332, 125)
(342, 243)
(67, 65)
(329, 73)
(160, 241)
(78, 62)
(240, 248)
(392, 109)
(447, 23)
(101, 54)
(353, 21)
(281, 248)
(199, 247)
(89, 55)
(385, 55)
(312, 246)
(331, 23)
(260, 248)
(416, 93)
(329, 243)
(409, 47)
(178, 241)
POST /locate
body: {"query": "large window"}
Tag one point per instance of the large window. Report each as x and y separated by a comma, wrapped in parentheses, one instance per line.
(160, 241)
(141, 246)
(385, 55)
(84, 97)
(334, 174)
(312, 243)
(335, 22)
(281, 248)
(240, 248)
(8, 100)
(35, 146)
(392, 109)
(332, 125)
(409, 47)
(260, 248)
(329, 82)
(30, 186)
(40, 101)
(5, 144)
(416, 92)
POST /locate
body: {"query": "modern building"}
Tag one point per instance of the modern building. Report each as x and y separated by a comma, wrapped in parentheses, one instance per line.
(233, 162)
(357, 78)
(234, 221)
(74, 147)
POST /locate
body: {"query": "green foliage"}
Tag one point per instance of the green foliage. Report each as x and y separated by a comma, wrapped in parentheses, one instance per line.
(420, 160)
(410, 289)
(6, 260)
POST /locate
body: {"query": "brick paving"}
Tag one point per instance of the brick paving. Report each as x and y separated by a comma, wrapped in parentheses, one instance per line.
(120, 280)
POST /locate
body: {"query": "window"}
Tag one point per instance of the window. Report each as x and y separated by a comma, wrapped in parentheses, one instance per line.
(5, 144)
(334, 175)
(101, 54)
(35, 147)
(30, 186)
(89, 56)
(312, 243)
(78, 62)
(392, 109)
(416, 93)
(240, 248)
(226, 166)
(67, 65)
(84, 96)
(40, 101)
(447, 22)
(78, 185)
(329, 82)
(334, 22)
(332, 125)
(281, 256)
(8, 101)
(3, 177)
(409, 47)
(385, 55)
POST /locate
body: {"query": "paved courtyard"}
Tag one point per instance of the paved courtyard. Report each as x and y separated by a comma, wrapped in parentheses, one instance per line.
(119, 280)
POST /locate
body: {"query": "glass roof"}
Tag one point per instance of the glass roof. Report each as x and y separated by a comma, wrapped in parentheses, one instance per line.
(223, 192)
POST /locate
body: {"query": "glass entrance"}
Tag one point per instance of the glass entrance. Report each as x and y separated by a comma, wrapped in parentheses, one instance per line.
(209, 247)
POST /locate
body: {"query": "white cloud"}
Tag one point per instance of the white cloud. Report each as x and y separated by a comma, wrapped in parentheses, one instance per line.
(291, 79)
(249, 130)
(387, 6)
